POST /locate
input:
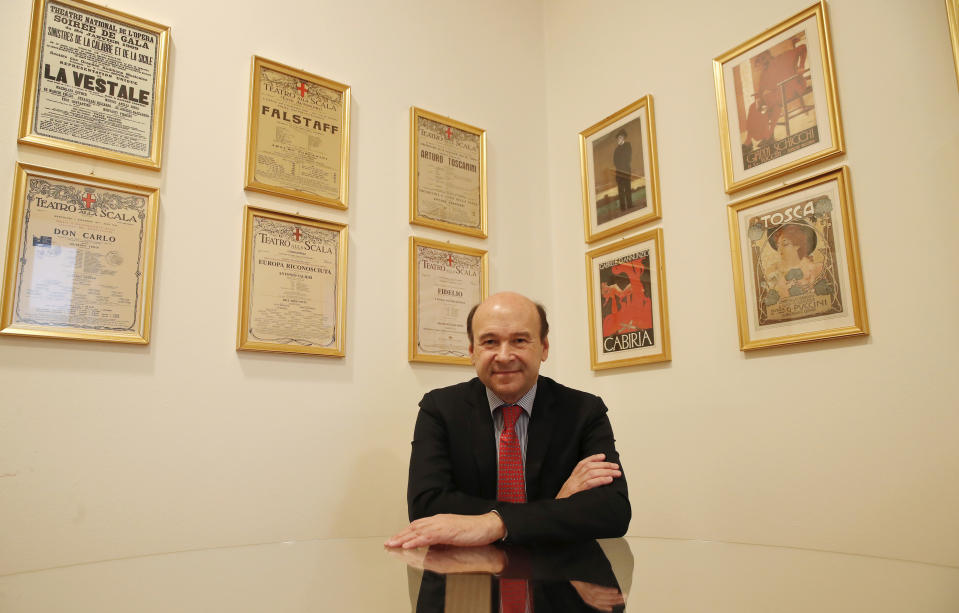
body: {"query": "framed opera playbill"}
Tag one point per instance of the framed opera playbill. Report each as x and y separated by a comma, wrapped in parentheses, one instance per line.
(628, 316)
(777, 102)
(445, 282)
(796, 264)
(95, 83)
(620, 171)
(298, 138)
(447, 174)
(80, 258)
(292, 285)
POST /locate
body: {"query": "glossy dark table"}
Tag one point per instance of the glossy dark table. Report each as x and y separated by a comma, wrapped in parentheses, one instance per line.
(358, 574)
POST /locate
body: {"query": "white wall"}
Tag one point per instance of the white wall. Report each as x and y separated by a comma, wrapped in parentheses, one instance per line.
(846, 445)
(110, 451)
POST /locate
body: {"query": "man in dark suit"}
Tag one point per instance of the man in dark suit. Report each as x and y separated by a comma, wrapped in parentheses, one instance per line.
(623, 161)
(570, 485)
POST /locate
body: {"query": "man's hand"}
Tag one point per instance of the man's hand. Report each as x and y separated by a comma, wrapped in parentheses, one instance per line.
(597, 596)
(591, 472)
(447, 529)
(454, 560)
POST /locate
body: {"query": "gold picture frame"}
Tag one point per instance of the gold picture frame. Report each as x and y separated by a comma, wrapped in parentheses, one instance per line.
(80, 258)
(620, 171)
(292, 284)
(626, 300)
(447, 174)
(298, 135)
(777, 102)
(796, 267)
(446, 281)
(76, 101)
(952, 16)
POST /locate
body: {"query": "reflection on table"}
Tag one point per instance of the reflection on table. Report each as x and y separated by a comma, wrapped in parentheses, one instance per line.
(358, 574)
(576, 577)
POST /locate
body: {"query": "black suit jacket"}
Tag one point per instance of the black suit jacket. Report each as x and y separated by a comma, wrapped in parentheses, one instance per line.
(453, 464)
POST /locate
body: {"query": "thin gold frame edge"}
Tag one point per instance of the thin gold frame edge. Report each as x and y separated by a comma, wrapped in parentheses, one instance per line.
(952, 16)
(242, 340)
(152, 194)
(25, 132)
(417, 219)
(860, 324)
(251, 184)
(656, 235)
(655, 212)
(819, 11)
(412, 354)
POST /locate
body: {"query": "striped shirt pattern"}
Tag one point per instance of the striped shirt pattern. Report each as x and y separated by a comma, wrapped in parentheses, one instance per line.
(522, 423)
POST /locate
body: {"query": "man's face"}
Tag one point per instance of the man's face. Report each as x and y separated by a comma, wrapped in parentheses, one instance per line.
(620, 139)
(506, 349)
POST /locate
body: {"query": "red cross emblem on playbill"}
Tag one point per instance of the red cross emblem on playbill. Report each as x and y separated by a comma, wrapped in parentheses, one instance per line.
(88, 200)
(449, 258)
(303, 89)
(449, 132)
(297, 234)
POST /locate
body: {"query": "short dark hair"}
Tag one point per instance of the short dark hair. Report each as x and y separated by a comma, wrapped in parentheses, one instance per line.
(540, 309)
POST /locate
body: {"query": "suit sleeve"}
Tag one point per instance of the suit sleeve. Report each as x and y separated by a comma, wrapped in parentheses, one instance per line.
(431, 488)
(602, 512)
(442, 476)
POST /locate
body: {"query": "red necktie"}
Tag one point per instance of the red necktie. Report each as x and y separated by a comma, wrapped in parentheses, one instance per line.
(511, 487)
(510, 483)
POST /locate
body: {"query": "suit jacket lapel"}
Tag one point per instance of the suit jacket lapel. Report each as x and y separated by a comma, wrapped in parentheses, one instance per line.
(538, 437)
(484, 445)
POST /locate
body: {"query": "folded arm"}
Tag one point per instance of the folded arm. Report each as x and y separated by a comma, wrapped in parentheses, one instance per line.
(598, 508)
(587, 495)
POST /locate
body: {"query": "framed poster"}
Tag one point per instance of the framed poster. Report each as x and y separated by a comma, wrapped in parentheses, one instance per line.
(292, 284)
(445, 282)
(80, 258)
(447, 174)
(796, 264)
(777, 102)
(620, 171)
(626, 293)
(952, 15)
(95, 83)
(298, 139)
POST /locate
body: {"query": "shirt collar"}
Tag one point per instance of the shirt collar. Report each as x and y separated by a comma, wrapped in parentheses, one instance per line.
(526, 402)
